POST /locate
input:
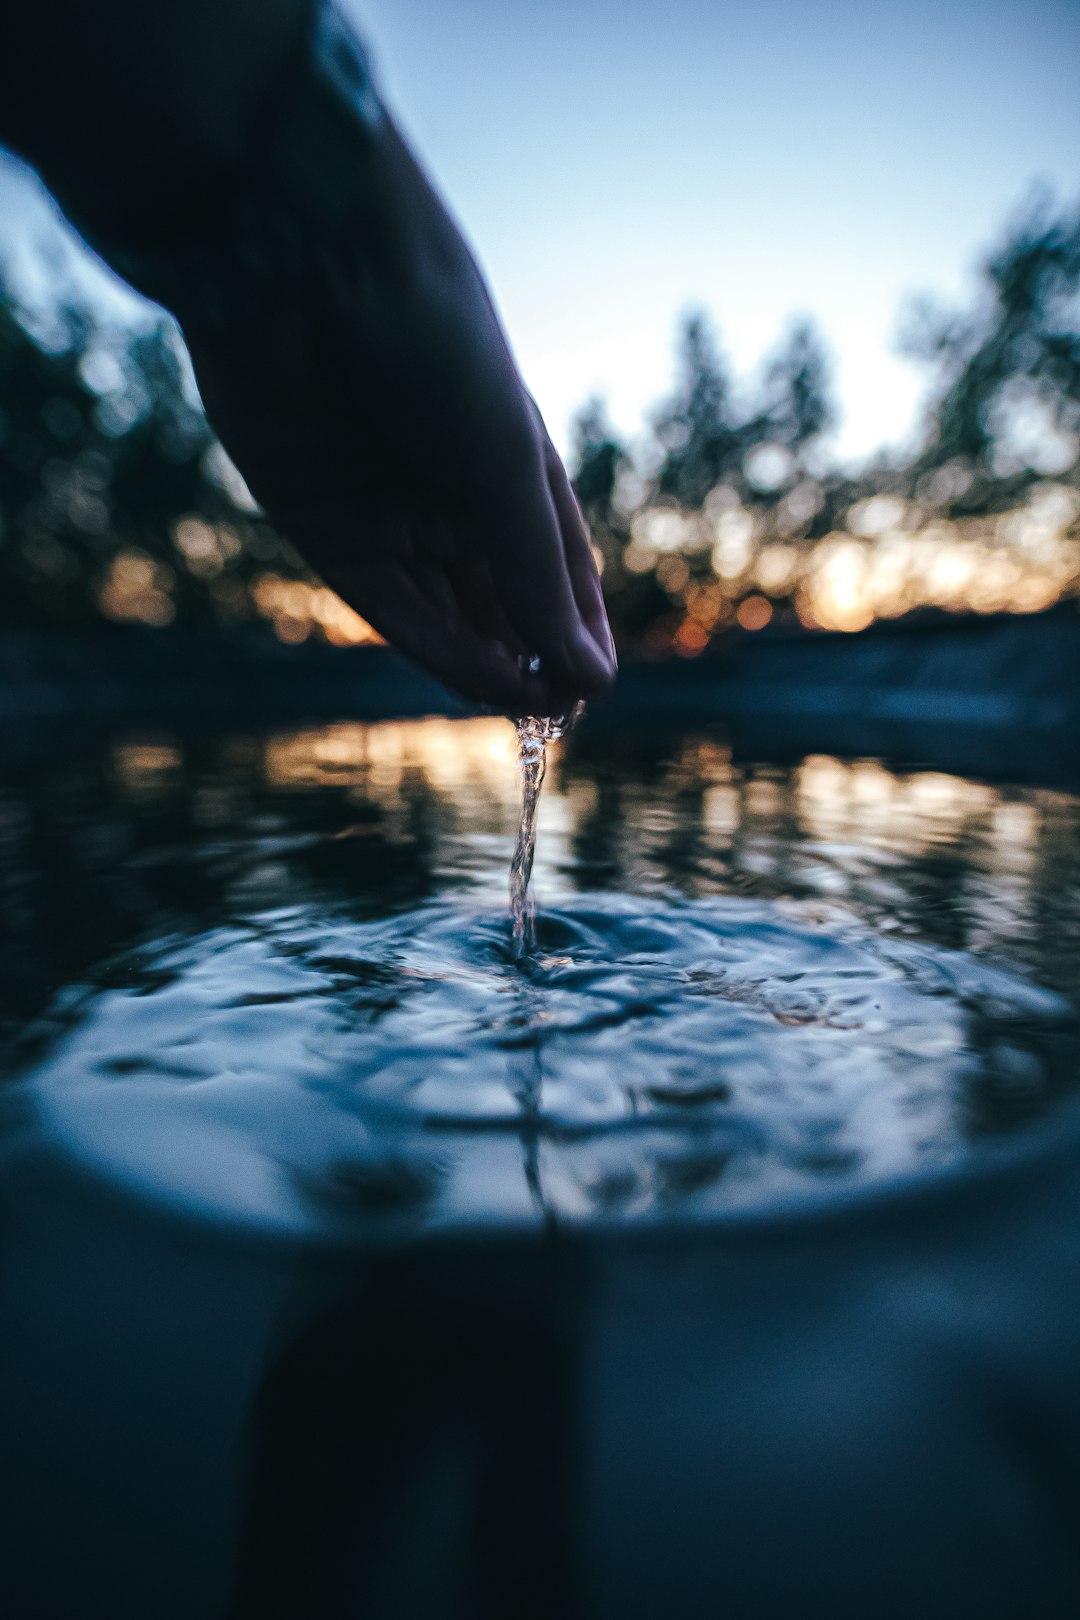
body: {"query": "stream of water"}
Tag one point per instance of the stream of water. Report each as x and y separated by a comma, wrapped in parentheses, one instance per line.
(534, 733)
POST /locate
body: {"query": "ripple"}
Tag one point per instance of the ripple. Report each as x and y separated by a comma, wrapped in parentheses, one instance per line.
(653, 1059)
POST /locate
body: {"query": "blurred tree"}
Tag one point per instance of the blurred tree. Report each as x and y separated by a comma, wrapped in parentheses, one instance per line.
(48, 513)
(698, 434)
(599, 458)
(112, 502)
(634, 599)
(1005, 386)
(116, 501)
(798, 404)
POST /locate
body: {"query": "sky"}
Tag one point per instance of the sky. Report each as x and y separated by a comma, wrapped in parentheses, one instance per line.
(616, 162)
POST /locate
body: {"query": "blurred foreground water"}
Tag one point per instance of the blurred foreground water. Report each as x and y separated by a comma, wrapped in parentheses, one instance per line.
(299, 1155)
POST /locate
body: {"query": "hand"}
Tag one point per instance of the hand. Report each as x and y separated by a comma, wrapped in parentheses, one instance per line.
(373, 406)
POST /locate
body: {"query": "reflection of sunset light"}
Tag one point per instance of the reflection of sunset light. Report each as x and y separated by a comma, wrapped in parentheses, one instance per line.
(871, 783)
(863, 818)
(1014, 829)
(761, 798)
(838, 800)
(933, 793)
(449, 753)
(139, 763)
(720, 810)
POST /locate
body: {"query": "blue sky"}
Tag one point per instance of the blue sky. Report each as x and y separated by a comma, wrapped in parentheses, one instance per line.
(614, 163)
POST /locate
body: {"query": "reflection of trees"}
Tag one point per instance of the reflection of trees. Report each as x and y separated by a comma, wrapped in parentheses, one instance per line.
(645, 824)
(101, 852)
(628, 781)
(598, 834)
(933, 882)
(1053, 893)
(385, 857)
(154, 837)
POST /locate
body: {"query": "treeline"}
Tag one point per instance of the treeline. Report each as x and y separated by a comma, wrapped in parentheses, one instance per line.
(117, 504)
(731, 495)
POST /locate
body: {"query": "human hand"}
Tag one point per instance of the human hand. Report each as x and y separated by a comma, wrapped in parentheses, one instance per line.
(368, 396)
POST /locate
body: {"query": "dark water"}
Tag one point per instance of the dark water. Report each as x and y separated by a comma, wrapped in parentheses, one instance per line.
(273, 980)
(354, 1261)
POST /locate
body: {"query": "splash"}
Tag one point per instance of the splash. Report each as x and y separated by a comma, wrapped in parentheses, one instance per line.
(657, 1059)
(534, 734)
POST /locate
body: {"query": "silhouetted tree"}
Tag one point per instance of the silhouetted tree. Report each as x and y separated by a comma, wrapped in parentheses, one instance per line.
(798, 406)
(700, 437)
(1006, 378)
(105, 451)
(104, 448)
(598, 457)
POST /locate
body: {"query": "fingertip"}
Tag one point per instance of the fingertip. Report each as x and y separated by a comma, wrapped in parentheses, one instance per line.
(595, 664)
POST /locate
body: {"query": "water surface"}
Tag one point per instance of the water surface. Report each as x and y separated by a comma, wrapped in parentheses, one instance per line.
(273, 979)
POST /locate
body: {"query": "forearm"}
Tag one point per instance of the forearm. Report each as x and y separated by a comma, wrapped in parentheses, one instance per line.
(130, 107)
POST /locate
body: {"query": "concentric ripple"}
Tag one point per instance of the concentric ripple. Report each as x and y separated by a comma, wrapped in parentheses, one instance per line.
(653, 1059)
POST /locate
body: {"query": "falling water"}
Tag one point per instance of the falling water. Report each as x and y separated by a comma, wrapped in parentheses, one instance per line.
(534, 734)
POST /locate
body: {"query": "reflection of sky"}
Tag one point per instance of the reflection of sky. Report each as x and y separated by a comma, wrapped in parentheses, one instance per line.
(614, 160)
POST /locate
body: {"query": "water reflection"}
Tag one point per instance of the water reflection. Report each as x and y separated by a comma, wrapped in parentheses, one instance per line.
(307, 931)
